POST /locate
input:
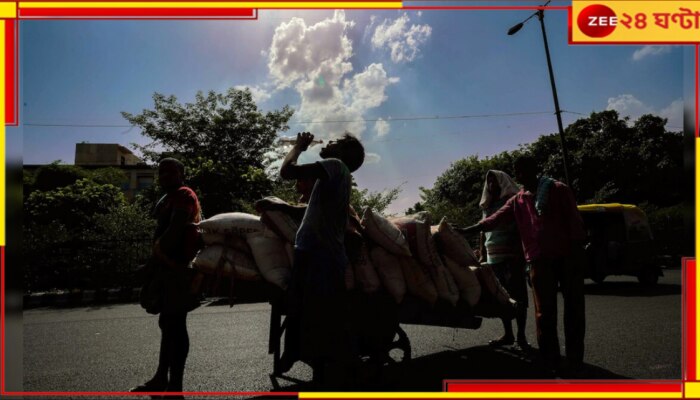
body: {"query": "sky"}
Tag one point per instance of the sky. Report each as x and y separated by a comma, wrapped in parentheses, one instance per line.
(422, 89)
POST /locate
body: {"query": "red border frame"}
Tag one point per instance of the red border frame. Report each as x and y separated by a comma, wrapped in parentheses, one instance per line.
(689, 295)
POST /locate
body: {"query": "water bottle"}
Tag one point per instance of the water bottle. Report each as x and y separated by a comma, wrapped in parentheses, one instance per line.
(291, 140)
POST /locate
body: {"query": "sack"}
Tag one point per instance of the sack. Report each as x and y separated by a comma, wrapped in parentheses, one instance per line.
(453, 245)
(490, 283)
(234, 223)
(365, 274)
(271, 258)
(418, 281)
(222, 261)
(416, 230)
(466, 280)
(389, 270)
(231, 241)
(384, 233)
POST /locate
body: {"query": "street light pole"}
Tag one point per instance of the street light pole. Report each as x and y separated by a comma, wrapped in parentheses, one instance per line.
(565, 156)
(512, 31)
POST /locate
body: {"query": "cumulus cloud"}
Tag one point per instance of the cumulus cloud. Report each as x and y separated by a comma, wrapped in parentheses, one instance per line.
(381, 127)
(372, 158)
(647, 51)
(315, 61)
(260, 95)
(403, 40)
(628, 105)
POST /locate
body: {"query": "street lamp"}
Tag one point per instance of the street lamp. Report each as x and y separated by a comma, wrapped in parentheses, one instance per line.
(513, 30)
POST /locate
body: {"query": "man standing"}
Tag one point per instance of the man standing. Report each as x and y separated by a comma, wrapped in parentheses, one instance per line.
(175, 245)
(551, 231)
(317, 307)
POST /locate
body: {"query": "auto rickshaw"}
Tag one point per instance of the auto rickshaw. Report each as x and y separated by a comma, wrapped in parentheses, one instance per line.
(619, 242)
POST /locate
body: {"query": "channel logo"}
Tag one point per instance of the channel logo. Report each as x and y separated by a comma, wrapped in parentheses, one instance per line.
(597, 21)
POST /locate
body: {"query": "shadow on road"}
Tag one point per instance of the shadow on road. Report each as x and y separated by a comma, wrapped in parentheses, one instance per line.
(631, 289)
(427, 373)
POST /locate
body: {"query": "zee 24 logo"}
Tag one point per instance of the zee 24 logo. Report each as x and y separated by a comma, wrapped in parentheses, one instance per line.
(599, 21)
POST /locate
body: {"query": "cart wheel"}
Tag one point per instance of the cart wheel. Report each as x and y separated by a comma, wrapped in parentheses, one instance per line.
(400, 344)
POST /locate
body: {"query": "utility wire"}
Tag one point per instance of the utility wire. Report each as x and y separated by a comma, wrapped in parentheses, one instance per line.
(387, 119)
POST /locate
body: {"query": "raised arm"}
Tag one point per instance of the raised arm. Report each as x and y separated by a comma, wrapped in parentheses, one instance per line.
(291, 170)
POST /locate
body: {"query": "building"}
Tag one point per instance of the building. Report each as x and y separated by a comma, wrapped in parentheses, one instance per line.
(105, 155)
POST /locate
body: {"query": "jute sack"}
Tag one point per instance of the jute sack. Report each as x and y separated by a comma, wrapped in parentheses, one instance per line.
(271, 258)
(289, 249)
(416, 230)
(453, 245)
(384, 233)
(365, 274)
(281, 223)
(418, 281)
(490, 283)
(389, 270)
(234, 223)
(466, 280)
(231, 241)
(218, 259)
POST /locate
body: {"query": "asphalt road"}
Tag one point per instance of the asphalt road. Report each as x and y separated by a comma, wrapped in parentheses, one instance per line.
(631, 333)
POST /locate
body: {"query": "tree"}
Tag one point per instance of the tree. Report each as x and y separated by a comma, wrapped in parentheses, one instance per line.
(223, 139)
(611, 160)
(377, 201)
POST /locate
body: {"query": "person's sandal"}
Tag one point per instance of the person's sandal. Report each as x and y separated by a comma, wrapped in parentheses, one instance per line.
(150, 386)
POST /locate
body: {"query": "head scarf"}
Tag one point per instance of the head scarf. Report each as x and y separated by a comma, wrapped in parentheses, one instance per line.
(508, 188)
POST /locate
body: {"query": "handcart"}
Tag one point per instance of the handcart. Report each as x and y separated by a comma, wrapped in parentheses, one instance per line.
(375, 321)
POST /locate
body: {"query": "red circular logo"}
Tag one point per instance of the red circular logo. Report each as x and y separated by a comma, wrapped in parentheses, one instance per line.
(597, 21)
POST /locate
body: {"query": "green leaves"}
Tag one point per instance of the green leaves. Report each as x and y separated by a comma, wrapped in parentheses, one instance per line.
(222, 138)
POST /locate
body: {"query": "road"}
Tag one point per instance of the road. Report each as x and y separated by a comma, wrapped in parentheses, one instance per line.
(631, 333)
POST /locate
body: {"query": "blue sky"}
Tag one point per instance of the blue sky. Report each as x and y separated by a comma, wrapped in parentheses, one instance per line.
(374, 65)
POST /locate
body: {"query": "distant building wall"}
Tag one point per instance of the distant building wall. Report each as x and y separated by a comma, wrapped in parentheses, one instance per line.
(107, 154)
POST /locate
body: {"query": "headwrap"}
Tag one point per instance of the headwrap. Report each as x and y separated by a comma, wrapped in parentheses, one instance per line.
(508, 188)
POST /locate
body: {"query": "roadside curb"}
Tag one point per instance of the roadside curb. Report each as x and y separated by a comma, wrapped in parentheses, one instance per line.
(73, 298)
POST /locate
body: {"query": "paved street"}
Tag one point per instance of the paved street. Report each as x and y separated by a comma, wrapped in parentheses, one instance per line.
(631, 333)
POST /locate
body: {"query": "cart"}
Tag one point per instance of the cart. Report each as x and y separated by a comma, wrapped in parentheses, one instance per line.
(375, 320)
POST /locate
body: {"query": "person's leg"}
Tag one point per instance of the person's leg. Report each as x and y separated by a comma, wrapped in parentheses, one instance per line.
(180, 346)
(574, 310)
(544, 286)
(507, 339)
(519, 293)
(503, 276)
(159, 382)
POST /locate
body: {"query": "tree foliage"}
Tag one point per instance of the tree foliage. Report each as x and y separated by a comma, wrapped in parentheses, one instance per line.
(610, 160)
(222, 138)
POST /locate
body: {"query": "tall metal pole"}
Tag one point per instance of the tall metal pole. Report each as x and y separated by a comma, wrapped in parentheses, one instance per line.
(540, 15)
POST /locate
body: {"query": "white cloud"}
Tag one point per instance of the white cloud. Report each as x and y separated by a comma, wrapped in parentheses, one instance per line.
(315, 60)
(674, 114)
(297, 50)
(260, 95)
(403, 41)
(646, 51)
(372, 158)
(628, 105)
(381, 127)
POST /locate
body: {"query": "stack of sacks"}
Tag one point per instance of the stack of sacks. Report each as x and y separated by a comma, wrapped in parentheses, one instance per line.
(232, 238)
(436, 262)
(416, 230)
